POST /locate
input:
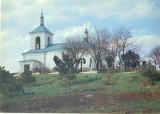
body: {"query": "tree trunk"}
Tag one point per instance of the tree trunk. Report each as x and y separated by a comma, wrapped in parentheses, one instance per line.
(155, 64)
(125, 65)
(97, 66)
(113, 65)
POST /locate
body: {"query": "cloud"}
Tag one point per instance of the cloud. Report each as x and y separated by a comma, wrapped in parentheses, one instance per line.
(11, 49)
(140, 31)
(12, 64)
(61, 35)
(19, 17)
(43, 2)
(148, 41)
(60, 11)
(122, 9)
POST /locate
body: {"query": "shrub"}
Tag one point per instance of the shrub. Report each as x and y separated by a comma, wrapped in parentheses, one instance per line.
(66, 68)
(27, 77)
(8, 84)
(150, 72)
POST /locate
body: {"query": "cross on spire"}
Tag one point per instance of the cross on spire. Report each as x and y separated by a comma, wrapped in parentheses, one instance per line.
(86, 34)
(86, 31)
(42, 19)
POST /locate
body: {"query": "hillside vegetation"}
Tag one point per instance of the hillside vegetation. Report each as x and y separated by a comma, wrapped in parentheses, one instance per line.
(125, 92)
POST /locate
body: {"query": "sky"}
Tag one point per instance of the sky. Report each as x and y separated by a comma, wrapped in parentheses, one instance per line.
(70, 17)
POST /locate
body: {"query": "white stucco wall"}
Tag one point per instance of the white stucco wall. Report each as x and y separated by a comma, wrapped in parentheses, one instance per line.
(33, 65)
(87, 64)
(36, 56)
(46, 60)
(49, 58)
(50, 62)
(46, 39)
(87, 58)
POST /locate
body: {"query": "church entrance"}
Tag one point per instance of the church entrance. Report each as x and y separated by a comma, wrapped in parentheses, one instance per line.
(30, 65)
(26, 67)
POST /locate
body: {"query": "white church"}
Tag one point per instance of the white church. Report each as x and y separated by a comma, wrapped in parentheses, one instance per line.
(43, 49)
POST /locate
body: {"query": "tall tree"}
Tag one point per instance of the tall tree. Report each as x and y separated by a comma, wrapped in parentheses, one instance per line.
(121, 36)
(98, 45)
(113, 49)
(75, 48)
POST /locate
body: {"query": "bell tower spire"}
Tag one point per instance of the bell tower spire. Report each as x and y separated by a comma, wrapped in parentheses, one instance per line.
(86, 34)
(41, 20)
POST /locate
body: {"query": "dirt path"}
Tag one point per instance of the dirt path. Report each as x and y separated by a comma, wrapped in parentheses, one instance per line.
(75, 102)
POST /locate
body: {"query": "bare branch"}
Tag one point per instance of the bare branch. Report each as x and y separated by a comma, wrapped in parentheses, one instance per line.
(154, 56)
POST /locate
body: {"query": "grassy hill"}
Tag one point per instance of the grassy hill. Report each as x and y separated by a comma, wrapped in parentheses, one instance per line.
(89, 93)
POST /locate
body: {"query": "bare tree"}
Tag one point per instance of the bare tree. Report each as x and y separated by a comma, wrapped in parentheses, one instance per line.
(136, 47)
(75, 48)
(121, 36)
(154, 56)
(98, 45)
(113, 49)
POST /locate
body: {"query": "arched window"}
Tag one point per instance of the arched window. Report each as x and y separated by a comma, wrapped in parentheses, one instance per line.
(49, 41)
(37, 43)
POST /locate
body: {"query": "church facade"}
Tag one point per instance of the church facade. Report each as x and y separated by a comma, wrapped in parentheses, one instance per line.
(43, 49)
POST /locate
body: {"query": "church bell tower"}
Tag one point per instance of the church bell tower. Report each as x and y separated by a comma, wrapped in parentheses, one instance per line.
(41, 37)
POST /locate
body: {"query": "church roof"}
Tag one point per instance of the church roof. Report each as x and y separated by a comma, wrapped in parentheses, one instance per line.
(29, 60)
(51, 47)
(41, 28)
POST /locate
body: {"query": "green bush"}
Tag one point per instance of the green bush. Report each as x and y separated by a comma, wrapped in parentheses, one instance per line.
(150, 72)
(67, 68)
(27, 77)
(8, 83)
